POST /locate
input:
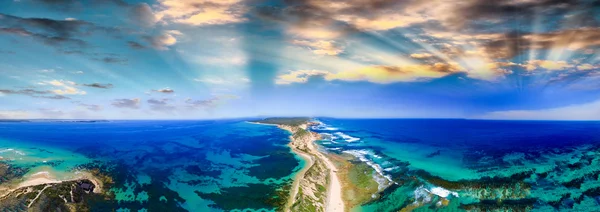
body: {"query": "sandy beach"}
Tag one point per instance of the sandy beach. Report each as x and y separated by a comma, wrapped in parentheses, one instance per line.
(305, 147)
(43, 177)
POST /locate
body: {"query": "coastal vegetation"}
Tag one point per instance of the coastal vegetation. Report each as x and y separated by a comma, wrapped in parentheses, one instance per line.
(310, 190)
(357, 180)
(289, 121)
(62, 196)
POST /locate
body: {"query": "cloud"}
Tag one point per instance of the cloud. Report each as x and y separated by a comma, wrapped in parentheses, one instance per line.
(201, 12)
(549, 65)
(48, 40)
(98, 85)
(33, 93)
(586, 66)
(28, 92)
(321, 47)
(375, 74)
(421, 55)
(135, 45)
(49, 31)
(13, 114)
(208, 103)
(587, 111)
(91, 107)
(221, 81)
(165, 90)
(161, 105)
(300, 76)
(126, 103)
(143, 15)
(52, 97)
(514, 43)
(163, 40)
(112, 60)
(64, 87)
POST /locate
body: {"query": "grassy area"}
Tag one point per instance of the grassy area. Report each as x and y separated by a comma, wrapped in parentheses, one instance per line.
(357, 180)
(291, 121)
(300, 133)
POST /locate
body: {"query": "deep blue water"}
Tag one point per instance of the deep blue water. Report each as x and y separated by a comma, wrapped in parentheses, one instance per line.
(163, 165)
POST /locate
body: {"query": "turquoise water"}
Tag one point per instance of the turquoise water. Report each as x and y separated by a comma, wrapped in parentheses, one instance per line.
(161, 165)
(474, 165)
(421, 165)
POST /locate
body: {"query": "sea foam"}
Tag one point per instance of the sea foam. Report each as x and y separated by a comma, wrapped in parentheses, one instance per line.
(382, 178)
(346, 137)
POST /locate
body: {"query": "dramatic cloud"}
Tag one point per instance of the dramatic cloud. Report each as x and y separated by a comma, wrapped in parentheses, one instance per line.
(48, 31)
(201, 12)
(161, 105)
(375, 74)
(143, 15)
(126, 103)
(514, 43)
(165, 90)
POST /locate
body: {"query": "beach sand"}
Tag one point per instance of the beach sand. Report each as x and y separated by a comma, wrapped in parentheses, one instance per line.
(305, 147)
(43, 177)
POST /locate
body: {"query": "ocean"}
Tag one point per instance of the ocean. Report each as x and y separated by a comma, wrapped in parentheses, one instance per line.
(487, 165)
(232, 165)
(161, 165)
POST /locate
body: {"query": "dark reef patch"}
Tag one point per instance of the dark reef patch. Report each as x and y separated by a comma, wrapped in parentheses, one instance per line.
(254, 196)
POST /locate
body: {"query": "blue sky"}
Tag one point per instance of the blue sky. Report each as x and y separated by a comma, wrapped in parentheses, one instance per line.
(203, 59)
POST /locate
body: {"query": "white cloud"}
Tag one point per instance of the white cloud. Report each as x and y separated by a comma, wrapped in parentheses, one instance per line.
(64, 87)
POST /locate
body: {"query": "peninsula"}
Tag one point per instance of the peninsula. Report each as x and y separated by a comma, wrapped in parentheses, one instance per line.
(317, 186)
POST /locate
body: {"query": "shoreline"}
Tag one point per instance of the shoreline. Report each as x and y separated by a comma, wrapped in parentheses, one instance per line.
(44, 178)
(296, 183)
(333, 199)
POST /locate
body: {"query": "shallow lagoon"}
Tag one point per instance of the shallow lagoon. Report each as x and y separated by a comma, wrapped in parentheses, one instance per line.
(162, 165)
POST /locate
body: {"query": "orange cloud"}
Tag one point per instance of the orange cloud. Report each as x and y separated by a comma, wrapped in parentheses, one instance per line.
(375, 74)
(549, 65)
(321, 47)
(421, 55)
(201, 12)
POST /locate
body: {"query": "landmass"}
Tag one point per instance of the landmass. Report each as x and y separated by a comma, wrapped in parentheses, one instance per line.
(317, 186)
(40, 192)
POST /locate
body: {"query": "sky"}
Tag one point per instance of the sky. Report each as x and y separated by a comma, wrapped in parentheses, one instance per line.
(208, 59)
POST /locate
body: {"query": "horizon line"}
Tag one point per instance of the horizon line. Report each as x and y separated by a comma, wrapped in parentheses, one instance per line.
(255, 117)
